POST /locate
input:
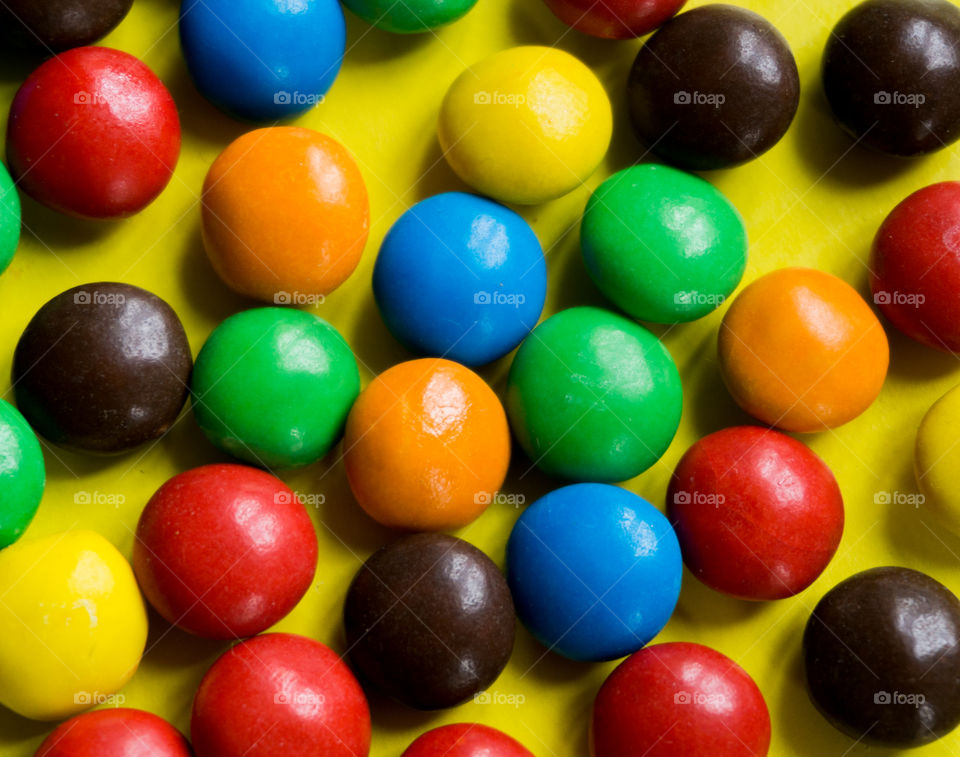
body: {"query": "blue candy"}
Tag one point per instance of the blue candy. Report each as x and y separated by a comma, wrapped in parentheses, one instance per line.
(263, 60)
(594, 570)
(462, 277)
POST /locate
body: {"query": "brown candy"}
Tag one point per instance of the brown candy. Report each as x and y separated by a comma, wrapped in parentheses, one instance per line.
(429, 621)
(55, 25)
(102, 367)
(714, 87)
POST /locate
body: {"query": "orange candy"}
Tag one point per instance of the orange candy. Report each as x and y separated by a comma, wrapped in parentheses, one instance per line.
(800, 349)
(285, 214)
(426, 446)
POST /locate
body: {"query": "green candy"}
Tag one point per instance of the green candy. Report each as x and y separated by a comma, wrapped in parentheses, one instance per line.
(273, 386)
(9, 219)
(664, 245)
(593, 396)
(22, 475)
(409, 16)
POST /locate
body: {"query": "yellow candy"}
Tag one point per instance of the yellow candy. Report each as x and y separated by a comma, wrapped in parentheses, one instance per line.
(72, 624)
(526, 125)
(937, 459)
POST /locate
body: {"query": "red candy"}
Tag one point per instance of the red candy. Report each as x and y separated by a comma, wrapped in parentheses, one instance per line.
(224, 551)
(466, 740)
(278, 695)
(615, 19)
(679, 699)
(121, 732)
(916, 266)
(93, 133)
(758, 514)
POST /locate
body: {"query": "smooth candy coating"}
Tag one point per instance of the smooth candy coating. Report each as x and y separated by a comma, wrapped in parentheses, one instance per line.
(715, 87)
(447, 639)
(279, 694)
(121, 732)
(70, 603)
(462, 277)
(882, 657)
(593, 396)
(285, 215)
(224, 551)
(680, 698)
(93, 133)
(466, 740)
(290, 362)
(890, 69)
(55, 25)
(758, 514)
(102, 368)
(410, 16)
(426, 446)
(663, 245)
(915, 266)
(801, 350)
(263, 60)
(526, 125)
(584, 542)
(22, 474)
(615, 19)
(937, 459)
(9, 218)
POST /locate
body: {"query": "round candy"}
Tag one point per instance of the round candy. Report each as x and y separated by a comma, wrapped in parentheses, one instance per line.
(273, 386)
(758, 515)
(72, 624)
(466, 740)
(615, 19)
(93, 133)
(462, 277)
(121, 732)
(887, 88)
(526, 125)
(593, 396)
(9, 218)
(224, 551)
(22, 474)
(263, 60)
(285, 215)
(801, 350)
(280, 694)
(937, 459)
(882, 657)
(427, 446)
(715, 87)
(451, 634)
(663, 245)
(102, 367)
(410, 16)
(680, 699)
(915, 266)
(54, 25)
(589, 542)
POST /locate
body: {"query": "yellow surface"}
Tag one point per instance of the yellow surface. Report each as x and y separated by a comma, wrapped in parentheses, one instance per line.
(811, 201)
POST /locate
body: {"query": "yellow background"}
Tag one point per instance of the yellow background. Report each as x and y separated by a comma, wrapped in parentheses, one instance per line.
(811, 201)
